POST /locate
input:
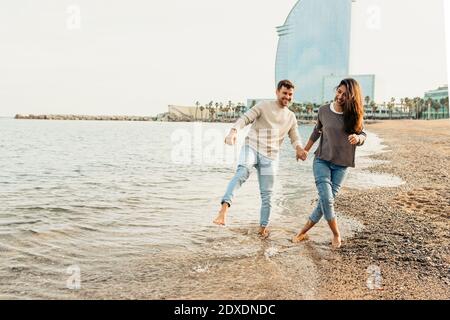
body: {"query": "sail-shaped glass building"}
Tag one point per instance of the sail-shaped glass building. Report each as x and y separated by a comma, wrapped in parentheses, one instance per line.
(314, 46)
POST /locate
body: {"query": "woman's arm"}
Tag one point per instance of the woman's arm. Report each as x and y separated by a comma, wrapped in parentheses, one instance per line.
(315, 135)
(362, 138)
(357, 139)
(309, 145)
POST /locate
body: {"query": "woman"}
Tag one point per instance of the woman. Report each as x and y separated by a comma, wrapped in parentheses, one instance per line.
(340, 127)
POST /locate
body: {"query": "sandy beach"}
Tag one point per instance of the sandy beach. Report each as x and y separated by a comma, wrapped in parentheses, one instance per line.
(404, 247)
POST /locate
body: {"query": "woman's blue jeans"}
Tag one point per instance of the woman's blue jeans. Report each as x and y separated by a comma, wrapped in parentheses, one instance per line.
(329, 178)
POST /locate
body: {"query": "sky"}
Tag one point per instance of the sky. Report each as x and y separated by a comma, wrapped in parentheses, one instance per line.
(403, 43)
(136, 57)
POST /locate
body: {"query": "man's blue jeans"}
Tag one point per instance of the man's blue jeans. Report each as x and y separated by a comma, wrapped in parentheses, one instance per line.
(329, 178)
(266, 169)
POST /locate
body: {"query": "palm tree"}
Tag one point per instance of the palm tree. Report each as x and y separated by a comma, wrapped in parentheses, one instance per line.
(408, 106)
(236, 108)
(374, 108)
(292, 107)
(393, 103)
(444, 104)
(367, 100)
(315, 110)
(297, 110)
(429, 103)
(217, 108)
(221, 110)
(302, 108)
(309, 109)
(197, 104)
(243, 108)
(201, 110)
(415, 106)
(390, 106)
(436, 106)
(233, 111)
(227, 110)
(421, 105)
(211, 112)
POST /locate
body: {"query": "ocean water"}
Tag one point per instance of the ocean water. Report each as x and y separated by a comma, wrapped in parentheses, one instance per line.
(124, 210)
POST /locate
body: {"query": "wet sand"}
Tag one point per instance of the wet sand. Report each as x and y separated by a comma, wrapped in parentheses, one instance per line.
(403, 250)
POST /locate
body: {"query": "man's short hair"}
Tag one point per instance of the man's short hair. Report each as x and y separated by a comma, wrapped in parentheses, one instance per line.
(285, 83)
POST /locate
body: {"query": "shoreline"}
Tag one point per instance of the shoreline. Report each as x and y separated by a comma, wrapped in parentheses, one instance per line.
(79, 117)
(405, 242)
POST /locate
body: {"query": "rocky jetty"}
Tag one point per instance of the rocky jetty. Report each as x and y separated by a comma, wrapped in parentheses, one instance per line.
(83, 117)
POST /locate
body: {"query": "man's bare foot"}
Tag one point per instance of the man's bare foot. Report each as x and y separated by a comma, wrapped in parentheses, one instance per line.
(220, 220)
(300, 237)
(336, 242)
(263, 232)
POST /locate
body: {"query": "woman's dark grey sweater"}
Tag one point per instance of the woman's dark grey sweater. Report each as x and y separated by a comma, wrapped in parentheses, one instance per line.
(334, 145)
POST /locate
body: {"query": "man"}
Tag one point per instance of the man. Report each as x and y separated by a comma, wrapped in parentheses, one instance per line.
(271, 122)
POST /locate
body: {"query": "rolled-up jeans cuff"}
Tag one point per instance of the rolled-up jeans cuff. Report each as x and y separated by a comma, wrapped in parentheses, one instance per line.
(227, 202)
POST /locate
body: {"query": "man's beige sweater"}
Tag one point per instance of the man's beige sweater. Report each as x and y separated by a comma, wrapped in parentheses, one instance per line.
(270, 125)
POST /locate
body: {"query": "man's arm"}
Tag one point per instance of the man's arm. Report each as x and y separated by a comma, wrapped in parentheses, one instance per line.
(296, 141)
(293, 135)
(249, 117)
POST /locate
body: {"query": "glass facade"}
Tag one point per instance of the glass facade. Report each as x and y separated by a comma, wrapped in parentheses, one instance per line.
(314, 42)
(438, 94)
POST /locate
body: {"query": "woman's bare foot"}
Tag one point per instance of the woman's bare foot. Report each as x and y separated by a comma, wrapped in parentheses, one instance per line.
(300, 237)
(263, 232)
(336, 242)
(220, 220)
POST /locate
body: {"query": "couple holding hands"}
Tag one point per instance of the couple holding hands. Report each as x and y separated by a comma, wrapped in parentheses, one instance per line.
(340, 129)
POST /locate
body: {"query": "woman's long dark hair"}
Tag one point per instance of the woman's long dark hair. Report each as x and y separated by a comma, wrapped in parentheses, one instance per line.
(353, 107)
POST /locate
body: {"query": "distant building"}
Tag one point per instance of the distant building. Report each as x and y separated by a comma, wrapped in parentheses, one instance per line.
(439, 108)
(437, 94)
(316, 50)
(187, 112)
(313, 46)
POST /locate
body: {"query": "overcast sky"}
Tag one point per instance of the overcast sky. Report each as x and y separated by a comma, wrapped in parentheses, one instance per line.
(135, 57)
